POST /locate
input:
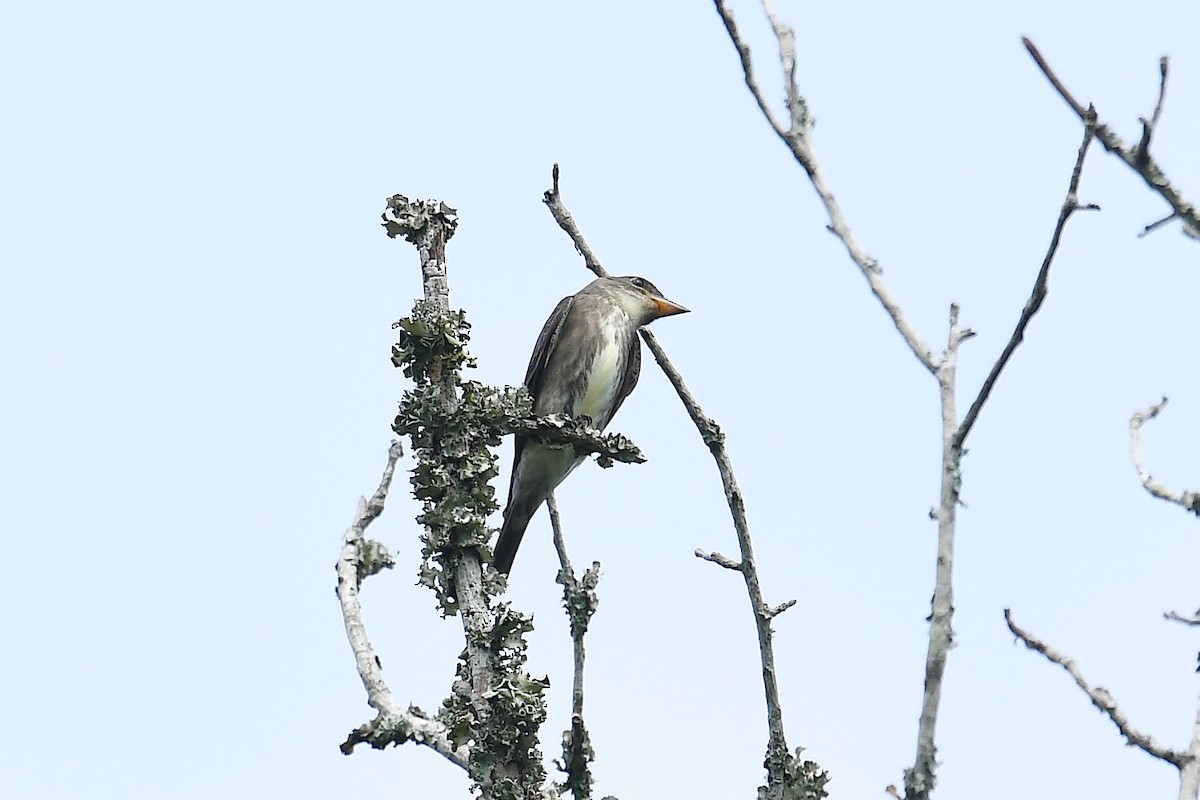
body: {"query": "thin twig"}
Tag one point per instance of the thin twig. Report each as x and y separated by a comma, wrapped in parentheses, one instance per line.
(394, 724)
(748, 67)
(1070, 205)
(1062, 90)
(565, 221)
(1185, 499)
(1148, 126)
(1137, 157)
(798, 138)
(778, 756)
(1100, 697)
(1158, 223)
(1175, 616)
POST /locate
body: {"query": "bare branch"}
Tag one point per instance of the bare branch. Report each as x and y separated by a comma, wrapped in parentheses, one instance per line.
(1040, 286)
(778, 759)
(359, 559)
(1137, 157)
(1186, 499)
(1175, 616)
(779, 609)
(1100, 698)
(1062, 90)
(748, 67)
(1158, 223)
(565, 221)
(719, 560)
(798, 140)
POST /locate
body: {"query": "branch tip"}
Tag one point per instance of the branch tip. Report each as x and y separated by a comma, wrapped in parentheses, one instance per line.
(719, 560)
(775, 611)
(1037, 294)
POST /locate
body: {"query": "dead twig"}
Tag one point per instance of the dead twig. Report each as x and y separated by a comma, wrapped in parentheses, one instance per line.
(1185, 499)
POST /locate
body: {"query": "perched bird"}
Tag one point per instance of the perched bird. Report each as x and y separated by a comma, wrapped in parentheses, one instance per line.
(586, 362)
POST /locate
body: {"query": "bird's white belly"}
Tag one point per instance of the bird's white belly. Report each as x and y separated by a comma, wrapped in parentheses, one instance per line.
(602, 381)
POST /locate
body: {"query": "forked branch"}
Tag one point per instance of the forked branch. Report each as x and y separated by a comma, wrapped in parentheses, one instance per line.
(1136, 156)
(798, 136)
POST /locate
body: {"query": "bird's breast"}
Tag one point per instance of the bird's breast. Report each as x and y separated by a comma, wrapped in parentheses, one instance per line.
(602, 378)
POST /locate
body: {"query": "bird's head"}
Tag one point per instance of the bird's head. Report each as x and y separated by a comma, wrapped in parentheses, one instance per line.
(641, 299)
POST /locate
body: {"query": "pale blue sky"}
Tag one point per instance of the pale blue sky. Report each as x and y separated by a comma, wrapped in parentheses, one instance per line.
(196, 303)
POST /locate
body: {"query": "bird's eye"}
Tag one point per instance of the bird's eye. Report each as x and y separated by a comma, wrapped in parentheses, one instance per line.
(638, 282)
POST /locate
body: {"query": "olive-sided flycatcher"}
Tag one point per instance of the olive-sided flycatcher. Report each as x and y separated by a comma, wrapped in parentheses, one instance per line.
(586, 362)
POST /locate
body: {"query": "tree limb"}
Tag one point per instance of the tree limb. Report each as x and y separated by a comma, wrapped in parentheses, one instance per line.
(920, 779)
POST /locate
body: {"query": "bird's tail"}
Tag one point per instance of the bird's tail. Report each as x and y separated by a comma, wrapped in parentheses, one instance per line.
(516, 520)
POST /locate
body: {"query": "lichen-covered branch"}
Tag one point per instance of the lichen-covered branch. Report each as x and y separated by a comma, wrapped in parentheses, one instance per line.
(452, 425)
(1100, 697)
(1136, 156)
(579, 433)
(580, 601)
(1185, 499)
(788, 775)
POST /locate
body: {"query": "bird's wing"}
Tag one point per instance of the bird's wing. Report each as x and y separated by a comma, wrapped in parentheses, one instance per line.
(545, 346)
(633, 368)
(537, 368)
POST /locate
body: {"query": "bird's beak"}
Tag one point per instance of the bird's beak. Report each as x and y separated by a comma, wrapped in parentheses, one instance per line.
(666, 308)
